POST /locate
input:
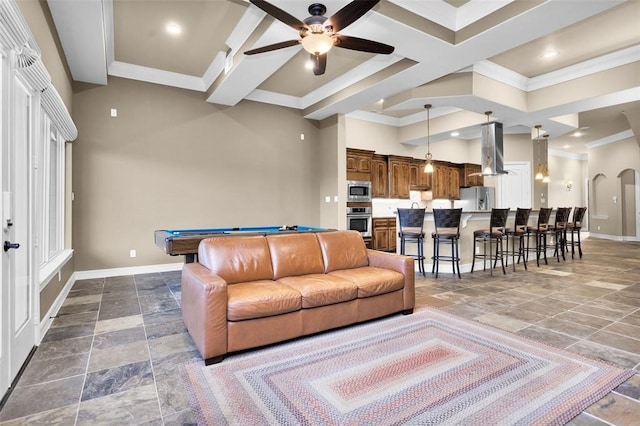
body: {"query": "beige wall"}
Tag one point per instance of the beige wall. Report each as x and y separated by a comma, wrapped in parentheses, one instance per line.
(171, 160)
(563, 171)
(610, 161)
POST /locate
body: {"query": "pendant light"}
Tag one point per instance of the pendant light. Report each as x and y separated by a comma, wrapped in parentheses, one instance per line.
(539, 170)
(428, 168)
(545, 169)
(486, 163)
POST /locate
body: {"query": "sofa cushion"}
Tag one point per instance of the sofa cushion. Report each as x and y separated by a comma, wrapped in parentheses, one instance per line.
(372, 281)
(342, 250)
(237, 258)
(322, 289)
(259, 299)
(295, 254)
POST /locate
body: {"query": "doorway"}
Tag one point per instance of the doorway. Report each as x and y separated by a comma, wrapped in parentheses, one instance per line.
(515, 187)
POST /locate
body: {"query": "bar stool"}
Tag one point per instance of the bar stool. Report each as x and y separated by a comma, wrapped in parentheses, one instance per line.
(494, 234)
(559, 231)
(519, 231)
(539, 232)
(574, 227)
(411, 231)
(447, 230)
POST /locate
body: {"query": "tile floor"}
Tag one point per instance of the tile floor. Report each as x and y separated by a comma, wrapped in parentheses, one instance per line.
(110, 356)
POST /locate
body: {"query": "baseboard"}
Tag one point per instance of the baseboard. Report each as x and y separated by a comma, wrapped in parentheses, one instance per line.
(133, 270)
(45, 323)
(614, 237)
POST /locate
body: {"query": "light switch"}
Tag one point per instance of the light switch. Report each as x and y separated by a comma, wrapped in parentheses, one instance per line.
(114, 112)
(327, 199)
(335, 198)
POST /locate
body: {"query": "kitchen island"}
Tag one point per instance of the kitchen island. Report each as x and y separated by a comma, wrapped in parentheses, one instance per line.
(471, 221)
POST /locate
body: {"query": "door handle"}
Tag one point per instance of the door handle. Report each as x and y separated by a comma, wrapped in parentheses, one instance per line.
(9, 245)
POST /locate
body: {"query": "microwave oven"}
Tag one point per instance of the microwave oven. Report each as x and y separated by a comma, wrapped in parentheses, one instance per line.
(358, 190)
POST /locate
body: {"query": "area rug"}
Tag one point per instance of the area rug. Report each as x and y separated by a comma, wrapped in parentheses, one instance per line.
(428, 368)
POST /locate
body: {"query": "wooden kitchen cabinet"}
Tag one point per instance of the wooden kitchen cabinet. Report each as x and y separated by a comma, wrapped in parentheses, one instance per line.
(446, 181)
(384, 234)
(418, 179)
(379, 176)
(359, 164)
(399, 176)
(468, 169)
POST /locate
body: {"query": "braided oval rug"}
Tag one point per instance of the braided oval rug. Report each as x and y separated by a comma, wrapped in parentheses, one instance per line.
(428, 368)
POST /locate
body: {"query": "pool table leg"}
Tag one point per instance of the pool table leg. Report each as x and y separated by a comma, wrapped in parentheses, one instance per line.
(189, 258)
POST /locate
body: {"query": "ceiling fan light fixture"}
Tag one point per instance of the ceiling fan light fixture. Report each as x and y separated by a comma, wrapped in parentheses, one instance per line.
(317, 43)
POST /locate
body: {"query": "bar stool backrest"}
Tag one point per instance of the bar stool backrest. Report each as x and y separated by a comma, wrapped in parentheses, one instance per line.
(411, 221)
(447, 219)
(562, 217)
(543, 217)
(522, 219)
(578, 216)
(498, 220)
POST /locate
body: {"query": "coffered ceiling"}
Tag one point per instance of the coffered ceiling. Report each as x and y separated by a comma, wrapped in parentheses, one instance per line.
(463, 56)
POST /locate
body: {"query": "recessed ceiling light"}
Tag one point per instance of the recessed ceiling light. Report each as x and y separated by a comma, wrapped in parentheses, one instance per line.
(454, 134)
(550, 54)
(566, 146)
(577, 134)
(173, 28)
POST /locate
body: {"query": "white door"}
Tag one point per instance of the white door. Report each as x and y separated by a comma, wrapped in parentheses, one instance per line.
(18, 319)
(515, 187)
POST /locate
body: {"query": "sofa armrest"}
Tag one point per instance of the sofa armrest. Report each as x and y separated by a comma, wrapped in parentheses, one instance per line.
(399, 263)
(204, 309)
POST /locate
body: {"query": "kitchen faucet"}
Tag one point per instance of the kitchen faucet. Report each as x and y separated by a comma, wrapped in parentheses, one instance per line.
(416, 203)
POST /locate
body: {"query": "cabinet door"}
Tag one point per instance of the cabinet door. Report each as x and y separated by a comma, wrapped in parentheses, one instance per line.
(392, 235)
(453, 174)
(424, 179)
(380, 235)
(398, 179)
(474, 180)
(440, 187)
(414, 174)
(379, 179)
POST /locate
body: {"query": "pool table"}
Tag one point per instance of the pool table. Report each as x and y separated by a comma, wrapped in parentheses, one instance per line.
(185, 241)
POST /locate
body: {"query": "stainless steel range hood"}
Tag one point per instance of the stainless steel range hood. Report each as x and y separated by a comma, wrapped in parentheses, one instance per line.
(492, 159)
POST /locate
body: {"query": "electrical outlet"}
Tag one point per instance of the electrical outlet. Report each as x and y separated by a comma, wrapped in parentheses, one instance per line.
(132, 253)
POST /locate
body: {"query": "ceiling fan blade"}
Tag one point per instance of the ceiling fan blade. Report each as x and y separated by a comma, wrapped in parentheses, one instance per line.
(351, 13)
(355, 43)
(271, 47)
(280, 14)
(319, 63)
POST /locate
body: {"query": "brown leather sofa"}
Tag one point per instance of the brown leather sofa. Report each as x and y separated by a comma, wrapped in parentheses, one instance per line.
(249, 291)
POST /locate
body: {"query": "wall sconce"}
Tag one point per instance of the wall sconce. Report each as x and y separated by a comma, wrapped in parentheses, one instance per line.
(569, 185)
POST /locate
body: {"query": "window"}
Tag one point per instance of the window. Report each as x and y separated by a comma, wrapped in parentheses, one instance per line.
(50, 189)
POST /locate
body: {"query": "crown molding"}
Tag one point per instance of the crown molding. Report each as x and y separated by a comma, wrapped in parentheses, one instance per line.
(610, 139)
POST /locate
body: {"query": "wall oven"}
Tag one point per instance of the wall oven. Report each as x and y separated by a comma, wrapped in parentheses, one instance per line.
(358, 190)
(359, 219)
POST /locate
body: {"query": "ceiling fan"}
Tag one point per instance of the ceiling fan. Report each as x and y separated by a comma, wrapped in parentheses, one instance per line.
(319, 33)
